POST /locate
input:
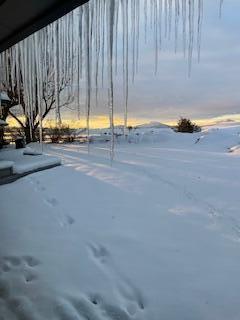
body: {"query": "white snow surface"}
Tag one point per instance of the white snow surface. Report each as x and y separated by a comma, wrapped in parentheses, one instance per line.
(27, 159)
(154, 236)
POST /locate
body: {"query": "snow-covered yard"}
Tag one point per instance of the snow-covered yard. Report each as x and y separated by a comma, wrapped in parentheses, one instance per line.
(155, 236)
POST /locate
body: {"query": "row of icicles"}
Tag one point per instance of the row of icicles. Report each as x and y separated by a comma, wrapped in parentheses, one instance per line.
(84, 48)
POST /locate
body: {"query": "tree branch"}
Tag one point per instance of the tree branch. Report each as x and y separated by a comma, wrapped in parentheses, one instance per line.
(14, 117)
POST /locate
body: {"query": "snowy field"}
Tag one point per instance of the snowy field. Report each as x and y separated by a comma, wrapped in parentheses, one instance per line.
(154, 237)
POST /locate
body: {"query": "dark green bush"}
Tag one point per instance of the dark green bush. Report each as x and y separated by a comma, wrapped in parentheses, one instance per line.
(186, 125)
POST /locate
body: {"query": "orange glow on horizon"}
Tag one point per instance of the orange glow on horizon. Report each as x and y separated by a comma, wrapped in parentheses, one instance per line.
(103, 121)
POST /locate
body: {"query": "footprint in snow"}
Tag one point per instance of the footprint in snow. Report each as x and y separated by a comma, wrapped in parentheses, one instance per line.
(19, 265)
(51, 202)
(131, 294)
(22, 308)
(70, 220)
(31, 261)
(22, 270)
(89, 308)
(125, 289)
(99, 253)
(112, 311)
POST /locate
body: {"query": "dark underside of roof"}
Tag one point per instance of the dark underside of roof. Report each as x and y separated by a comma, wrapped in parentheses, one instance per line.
(20, 18)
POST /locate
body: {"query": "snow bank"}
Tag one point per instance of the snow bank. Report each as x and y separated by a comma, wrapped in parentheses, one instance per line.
(220, 138)
(235, 149)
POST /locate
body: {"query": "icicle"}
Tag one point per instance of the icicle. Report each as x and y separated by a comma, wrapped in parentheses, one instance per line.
(160, 23)
(88, 67)
(79, 58)
(39, 89)
(45, 63)
(145, 18)
(166, 17)
(184, 17)
(103, 40)
(156, 34)
(125, 62)
(191, 34)
(177, 11)
(116, 35)
(199, 31)
(110, 28)
(220, 8)
(56, 72)
(137, 33)
(133, 33)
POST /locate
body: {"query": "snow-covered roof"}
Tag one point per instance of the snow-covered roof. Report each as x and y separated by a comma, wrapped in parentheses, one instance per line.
(6, 164)
(4, 96)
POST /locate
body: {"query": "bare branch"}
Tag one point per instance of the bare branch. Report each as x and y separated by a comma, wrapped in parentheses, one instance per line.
(16, 118)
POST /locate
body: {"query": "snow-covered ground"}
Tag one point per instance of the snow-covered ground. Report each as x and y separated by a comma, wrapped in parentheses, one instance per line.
(155, 236)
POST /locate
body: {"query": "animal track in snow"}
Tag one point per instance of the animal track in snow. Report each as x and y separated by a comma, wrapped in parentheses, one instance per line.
(18, 265)
(113, 311)
(22, 307)
(91, 309)
(70, 220)
(12, 260)
(63, 219)
(125, 290)
(99, 253)
(17, 272)
(131, 293)
(37, 184)
(29, 277)
(31, 261)
(65, 310)
(51, 202)
(4, 289)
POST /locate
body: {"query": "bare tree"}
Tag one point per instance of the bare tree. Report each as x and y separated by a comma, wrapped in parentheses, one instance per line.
(17, 108)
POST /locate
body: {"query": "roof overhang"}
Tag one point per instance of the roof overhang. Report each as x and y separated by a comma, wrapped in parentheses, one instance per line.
(19, 19)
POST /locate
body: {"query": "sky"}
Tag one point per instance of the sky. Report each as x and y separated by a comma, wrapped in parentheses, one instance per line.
(212, 91)
(210, 94)
(213, 87)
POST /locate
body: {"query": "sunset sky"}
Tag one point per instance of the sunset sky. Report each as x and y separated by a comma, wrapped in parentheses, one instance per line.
(211, 93)
(213, 88)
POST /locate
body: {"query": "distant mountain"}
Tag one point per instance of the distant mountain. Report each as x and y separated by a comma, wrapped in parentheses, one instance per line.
(152, 124)
(224, 123)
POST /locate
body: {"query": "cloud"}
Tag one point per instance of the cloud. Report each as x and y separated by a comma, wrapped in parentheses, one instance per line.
(211, 91)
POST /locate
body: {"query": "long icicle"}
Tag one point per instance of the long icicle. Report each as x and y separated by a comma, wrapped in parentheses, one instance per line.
(59, 53)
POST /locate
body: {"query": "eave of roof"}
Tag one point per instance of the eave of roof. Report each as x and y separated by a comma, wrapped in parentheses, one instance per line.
(14, 30)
